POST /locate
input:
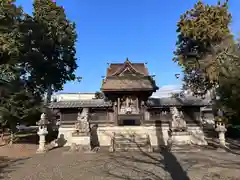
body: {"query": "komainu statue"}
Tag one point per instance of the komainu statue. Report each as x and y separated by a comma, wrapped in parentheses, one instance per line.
(178, 124)
(82, 125)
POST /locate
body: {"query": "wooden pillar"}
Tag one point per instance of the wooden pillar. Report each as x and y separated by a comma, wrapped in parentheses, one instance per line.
(127, 102)
(110, 117)
(146, 115)
(137, 104)
(59, 121)
(116, 110)
(118, 105)
(142, 112)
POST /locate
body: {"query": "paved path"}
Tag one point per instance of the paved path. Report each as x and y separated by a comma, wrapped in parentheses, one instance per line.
(62, 165)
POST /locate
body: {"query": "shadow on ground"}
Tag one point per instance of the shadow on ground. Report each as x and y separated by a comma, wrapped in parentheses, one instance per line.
(33, 138)
(214, 159)
(8, 165)
(146, 166)
(167, 165)
(180, 166)
(26, 139)
(161, 165)
(233, 146)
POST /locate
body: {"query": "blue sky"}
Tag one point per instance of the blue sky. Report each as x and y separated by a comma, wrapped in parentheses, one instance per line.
(111, 30)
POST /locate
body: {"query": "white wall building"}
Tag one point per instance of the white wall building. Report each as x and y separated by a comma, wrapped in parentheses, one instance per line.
(72, 96)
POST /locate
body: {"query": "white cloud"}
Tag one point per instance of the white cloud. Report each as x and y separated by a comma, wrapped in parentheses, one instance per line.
(166, 91)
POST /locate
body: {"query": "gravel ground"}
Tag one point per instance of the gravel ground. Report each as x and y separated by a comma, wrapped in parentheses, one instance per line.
(59, 164)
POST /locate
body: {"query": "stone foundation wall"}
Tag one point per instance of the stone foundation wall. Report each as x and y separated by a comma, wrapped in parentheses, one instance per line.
(66, 134)
(158, 135)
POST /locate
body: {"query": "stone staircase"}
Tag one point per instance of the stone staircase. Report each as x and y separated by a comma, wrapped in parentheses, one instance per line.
(130, 142)
(197, 135)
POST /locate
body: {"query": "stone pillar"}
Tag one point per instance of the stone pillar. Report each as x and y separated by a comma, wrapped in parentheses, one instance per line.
(42, 132)
(221, 134)
(222, 138)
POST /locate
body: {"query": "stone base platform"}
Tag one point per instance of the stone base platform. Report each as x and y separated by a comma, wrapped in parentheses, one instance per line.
(180, 138)
(131, 142)
(79, 148)
(80, 143)
(158, 135)
(184, 148)
(80, 140)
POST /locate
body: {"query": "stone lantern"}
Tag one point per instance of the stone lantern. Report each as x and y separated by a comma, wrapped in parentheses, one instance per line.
(221, 129)
(42, 132)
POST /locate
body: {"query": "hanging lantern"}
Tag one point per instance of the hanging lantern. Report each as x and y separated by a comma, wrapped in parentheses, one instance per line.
(177, 75)
(79, 79)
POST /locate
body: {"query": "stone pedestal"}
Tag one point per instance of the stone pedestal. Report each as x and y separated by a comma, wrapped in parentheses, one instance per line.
(42, 132)
(180, 138)
(179, 141)
(81, 137)
(82, 143)
(221, 136)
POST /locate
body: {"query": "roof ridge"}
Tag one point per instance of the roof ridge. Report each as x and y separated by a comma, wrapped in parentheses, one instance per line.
(124, 66)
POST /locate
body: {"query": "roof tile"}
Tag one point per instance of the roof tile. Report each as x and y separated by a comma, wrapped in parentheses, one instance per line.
(126, 84)
(80, 104)
(152, 102)
(114, 67)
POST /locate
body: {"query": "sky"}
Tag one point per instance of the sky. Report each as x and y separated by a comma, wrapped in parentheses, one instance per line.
(109, 31)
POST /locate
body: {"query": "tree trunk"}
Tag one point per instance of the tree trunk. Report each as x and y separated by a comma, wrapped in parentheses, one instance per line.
(2, 135)
(11, 138)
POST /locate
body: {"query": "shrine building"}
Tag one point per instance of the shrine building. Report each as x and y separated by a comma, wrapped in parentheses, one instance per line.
(127, 109)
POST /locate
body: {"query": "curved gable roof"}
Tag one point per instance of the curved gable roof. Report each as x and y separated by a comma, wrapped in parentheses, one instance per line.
(116, 68)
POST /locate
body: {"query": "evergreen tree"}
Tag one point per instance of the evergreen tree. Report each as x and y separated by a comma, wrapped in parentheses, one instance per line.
(49, 51)
(10, 16)
(229, 83)
(99, 95)
(201, 31)
(209, 56)
(36, 52)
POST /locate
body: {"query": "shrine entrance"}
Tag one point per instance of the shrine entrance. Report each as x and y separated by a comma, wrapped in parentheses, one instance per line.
(129, 122)
(126, 120)
(128, 86)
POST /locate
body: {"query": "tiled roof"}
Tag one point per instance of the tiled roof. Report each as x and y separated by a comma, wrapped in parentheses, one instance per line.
(123, 84)
(152, 102)
(80, 103)
(114, 67)
(158, 102)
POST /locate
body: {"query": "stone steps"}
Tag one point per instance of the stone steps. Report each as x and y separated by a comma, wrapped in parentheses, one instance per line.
(131, 142)
(184, 148)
